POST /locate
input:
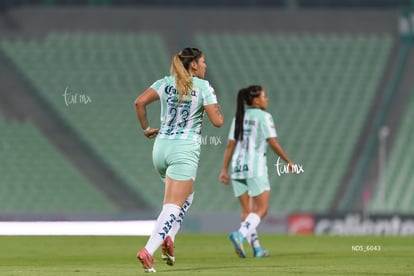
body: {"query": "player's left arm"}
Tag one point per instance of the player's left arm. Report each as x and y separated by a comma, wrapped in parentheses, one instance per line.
(277, 148)
(268, 126)
(214, 114)
(147, 97)
(211, 105)
(224, 176)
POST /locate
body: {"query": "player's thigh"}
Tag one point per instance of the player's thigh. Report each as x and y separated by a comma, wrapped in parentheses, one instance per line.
(177, 191)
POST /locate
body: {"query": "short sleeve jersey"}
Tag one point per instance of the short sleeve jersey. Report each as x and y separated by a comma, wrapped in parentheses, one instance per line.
(249, 155)
(182, 120)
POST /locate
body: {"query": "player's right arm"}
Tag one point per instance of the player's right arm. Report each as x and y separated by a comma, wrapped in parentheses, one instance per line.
(147, 97)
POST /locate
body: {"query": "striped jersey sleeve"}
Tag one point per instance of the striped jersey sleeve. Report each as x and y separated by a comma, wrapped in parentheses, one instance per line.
(268, 126)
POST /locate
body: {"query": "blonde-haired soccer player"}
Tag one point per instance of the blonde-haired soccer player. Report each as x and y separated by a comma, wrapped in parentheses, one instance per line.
(184, 96)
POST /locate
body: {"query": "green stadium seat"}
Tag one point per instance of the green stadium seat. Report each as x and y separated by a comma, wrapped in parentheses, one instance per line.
(399, 176)
(35, 178)
(317, 84)
(112, 69)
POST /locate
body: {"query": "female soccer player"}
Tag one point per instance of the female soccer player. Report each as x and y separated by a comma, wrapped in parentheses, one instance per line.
(250, 133)
(184, 97)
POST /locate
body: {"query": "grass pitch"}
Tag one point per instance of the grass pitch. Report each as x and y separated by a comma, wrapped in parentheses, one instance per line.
(200, 254)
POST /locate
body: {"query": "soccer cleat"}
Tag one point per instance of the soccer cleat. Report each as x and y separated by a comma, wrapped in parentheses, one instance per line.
(146, 260)
(168, 251)
(259, 252)
(237, 239)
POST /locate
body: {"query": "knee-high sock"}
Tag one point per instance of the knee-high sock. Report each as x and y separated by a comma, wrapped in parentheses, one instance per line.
(165, 220)
(177, 223)
(253, 238)
(250, 223)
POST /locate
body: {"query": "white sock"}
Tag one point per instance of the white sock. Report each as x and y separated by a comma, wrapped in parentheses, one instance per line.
(248, 237)
(253, 239)
(250, 223)
(177, 223)
(165, 220)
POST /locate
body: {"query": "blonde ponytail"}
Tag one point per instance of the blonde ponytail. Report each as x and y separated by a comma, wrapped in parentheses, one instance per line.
(180, 69)
(183, 78)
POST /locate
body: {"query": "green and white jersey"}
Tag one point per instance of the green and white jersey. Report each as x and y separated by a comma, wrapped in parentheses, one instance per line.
(183, 120)
(249, 155)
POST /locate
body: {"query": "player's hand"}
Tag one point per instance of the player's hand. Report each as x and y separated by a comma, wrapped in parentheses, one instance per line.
(151, 133)
(292, 167)
(224, 177)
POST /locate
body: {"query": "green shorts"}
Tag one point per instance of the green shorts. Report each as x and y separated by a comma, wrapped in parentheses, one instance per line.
(176, 158)
(254, 186)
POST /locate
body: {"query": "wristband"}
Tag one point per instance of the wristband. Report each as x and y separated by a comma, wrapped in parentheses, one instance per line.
(148, 128)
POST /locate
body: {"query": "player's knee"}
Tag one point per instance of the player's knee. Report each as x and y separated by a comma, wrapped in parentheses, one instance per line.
(262, 212)
(244, 215)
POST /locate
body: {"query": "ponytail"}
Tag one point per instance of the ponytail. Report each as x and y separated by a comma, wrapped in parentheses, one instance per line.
(245, 96)
(180, 69)
(238, 125)
(183, 79)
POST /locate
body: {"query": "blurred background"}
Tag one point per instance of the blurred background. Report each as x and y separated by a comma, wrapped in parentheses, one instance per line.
(339, 76)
